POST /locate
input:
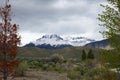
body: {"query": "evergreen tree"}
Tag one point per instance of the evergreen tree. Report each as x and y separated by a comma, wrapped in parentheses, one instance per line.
(84, 56)
(90, 55)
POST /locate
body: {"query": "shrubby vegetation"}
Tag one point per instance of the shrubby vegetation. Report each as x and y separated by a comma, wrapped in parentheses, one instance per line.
(22, 68)
(56, 58)
(92, 67)
(110, 19)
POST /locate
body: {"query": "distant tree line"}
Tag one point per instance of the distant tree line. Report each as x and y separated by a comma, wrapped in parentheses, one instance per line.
(88, 55)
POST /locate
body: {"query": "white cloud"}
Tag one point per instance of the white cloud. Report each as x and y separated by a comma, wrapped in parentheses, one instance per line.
(63, 17)
(63, 4)
(27, 37)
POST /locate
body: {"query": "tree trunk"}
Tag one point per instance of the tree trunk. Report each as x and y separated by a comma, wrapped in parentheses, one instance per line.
(4, 76)
(118, 71)
(119, 75)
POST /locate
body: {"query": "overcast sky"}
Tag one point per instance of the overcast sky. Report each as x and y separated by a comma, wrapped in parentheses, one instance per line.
(62, 17)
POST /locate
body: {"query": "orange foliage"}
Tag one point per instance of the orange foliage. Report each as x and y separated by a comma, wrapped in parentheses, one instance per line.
(9, 40)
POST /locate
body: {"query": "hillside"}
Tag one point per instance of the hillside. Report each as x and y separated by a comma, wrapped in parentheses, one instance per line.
(98, 44)
(68, 52)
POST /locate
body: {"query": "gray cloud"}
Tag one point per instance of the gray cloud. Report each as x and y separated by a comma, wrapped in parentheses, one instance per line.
(57, 16)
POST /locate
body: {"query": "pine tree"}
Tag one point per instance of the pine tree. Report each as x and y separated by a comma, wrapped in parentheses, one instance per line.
(9, 40)
(90, 55)
(84, 56)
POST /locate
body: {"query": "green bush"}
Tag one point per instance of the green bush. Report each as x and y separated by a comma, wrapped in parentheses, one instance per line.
(22, 68)
(109, 75)
(76, 68)
(73, 75)
(56, 58)
(45, 67)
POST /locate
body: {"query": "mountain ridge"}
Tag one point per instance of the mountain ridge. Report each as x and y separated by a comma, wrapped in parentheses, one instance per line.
(54, 41)
(99, 44)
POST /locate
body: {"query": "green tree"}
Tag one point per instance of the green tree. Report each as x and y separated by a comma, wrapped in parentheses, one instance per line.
(110, 19)
(90, 55)
(84, 56)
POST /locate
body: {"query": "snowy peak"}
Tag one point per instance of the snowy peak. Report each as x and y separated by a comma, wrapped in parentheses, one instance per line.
(51, 39)
(53, 36)
(55, 41)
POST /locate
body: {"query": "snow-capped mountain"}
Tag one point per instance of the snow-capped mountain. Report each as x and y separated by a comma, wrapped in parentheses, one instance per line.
(51, 39)
(55, 42)
(78, 41)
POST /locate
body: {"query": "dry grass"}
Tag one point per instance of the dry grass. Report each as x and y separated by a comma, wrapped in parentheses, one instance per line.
(43, 75)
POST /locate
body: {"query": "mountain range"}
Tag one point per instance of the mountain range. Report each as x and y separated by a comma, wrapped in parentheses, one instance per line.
(98, 44)
(54, 41)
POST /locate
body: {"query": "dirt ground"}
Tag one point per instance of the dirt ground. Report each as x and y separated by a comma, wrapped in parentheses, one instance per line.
(43, 75)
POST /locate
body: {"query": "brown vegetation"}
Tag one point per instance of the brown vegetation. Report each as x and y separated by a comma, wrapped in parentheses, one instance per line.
(8, 42)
